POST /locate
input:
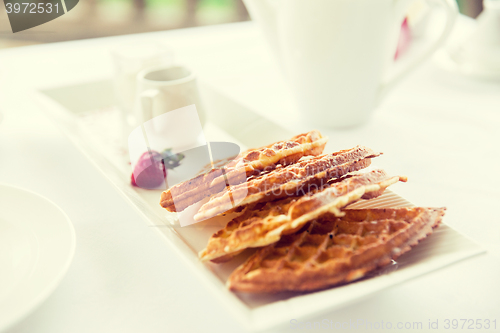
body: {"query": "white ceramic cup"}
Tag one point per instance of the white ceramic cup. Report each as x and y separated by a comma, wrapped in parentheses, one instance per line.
(335, 53)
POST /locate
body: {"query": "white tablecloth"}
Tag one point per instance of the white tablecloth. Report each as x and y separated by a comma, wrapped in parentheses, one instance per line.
(438, 128)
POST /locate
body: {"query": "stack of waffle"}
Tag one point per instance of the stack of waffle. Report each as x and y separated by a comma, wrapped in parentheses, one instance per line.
(290, 200)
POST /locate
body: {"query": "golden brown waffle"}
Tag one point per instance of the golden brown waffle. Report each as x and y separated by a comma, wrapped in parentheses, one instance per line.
(292, 180)
(248, 163)
(334, 250)
(260, 225)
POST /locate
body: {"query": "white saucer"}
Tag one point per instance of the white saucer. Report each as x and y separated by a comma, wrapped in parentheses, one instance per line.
(37, 243)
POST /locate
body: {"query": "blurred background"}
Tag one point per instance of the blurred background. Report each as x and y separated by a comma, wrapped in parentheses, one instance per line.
(100, 18)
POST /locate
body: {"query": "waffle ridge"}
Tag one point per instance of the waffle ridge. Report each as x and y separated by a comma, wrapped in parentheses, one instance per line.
(332, 250)
(288, 180)
(264, 224)
(247, 163)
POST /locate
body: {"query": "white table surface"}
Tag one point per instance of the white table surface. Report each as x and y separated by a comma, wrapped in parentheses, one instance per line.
(438, 128)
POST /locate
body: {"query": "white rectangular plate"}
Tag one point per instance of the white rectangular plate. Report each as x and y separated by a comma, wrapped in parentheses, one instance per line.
(85, 113)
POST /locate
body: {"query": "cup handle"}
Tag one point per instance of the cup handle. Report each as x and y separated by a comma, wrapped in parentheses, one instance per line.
(146, 106)
(451, 9)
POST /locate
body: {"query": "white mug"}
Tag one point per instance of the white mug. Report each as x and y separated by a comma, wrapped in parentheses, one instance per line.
(335, 53)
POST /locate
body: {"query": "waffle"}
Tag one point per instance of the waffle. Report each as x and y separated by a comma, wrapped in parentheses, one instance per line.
(262, 225)
(333, 250)
(292, 180)
(246, 164)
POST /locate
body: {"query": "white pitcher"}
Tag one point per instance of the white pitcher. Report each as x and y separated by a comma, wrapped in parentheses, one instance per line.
(335, 53)
(169, 106)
